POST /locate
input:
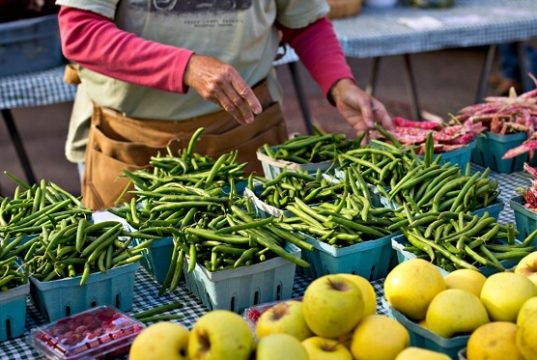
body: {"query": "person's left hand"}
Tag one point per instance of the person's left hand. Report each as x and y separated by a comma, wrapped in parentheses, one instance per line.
(359, 109)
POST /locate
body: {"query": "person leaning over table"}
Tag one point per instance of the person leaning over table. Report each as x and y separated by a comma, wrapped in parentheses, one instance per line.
(153, 71)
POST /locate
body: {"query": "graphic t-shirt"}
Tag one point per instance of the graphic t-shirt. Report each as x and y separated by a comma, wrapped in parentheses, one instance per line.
(238, 32)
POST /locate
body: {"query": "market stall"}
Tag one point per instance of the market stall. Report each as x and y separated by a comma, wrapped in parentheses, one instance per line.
(147, 290)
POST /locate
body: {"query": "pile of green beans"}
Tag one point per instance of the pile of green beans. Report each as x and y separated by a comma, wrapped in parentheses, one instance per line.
(460, 240)
(189, 168)
(32, 207)
(380, 163)
(349, 221)
(81, 248)
(167, 209)
(228, 240)
(443, 188)
(288, 186)
(11, 274)
(305, 149)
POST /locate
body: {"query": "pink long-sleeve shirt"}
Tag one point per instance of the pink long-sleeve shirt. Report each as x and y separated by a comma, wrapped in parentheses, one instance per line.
(96, 43)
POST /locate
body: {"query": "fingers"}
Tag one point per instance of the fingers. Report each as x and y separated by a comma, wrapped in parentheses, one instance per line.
(221, 98)
(239, 104)
(246, 93)
(381, 115)
(367, 111)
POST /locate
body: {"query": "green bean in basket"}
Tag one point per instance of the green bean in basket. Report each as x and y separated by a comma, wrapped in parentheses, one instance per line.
(460, 240)
(304, 149)
(380, 163)
(78, 249)
(228, 240)
(31, 207)
(11, 273)
(445, 188)
(189, 168)
(288, 185)
(349, 220)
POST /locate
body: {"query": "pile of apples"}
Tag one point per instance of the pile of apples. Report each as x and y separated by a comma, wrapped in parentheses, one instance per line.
(500, 312)
(336, 320)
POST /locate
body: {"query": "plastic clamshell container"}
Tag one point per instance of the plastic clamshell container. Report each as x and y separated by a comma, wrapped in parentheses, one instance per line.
(30, 45)
(491, 147)
(369, 259)
(99, 333)
(423, 338)
(13, 311)
(273, 167)
(525, 219)
(400, 241)
(237, 289)
(60, 298)
(158, 258)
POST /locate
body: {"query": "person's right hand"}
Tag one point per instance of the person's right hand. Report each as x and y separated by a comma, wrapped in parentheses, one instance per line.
(222, 84)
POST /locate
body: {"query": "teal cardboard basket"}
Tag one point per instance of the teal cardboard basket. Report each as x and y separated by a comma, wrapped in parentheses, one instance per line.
(245, 286)
(158, 257)
(400, 241)
(13, 312)
(525, 219)
(370, 259)
(460, 156)
(59, 298)
(426, 339)
(494, 209)
(491, 147)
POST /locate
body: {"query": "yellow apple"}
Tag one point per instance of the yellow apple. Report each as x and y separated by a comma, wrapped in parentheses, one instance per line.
(494, 341)
(411, 286)
(528, 267)
(504, 294)
(414, 353)
(284, 318)
(455, 311)
(220, 335)
(529, 307)
(377, 337)
(280, 347)
(161, 341)
(368, 293)
(526, 338)
(333, 306)
(466, 279)
(319, 348)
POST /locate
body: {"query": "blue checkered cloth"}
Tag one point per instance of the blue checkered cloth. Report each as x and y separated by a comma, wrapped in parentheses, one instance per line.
(35, 89)
(146, 289)
(378, 32)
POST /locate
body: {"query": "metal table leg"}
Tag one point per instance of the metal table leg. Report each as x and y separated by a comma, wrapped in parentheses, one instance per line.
(523, 66)
(412, 88)
(485, 73)
(19, 146)
(301, 96)
(373, 77)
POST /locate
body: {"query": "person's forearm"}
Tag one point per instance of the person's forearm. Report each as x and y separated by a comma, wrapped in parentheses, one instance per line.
(95, 42)
(319, 50)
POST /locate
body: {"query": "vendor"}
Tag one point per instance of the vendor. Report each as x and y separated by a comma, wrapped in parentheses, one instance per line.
(153, 71)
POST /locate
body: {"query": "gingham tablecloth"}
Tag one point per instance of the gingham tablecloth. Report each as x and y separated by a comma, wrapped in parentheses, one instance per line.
(146, 289)
(396, 31)
(35, 89)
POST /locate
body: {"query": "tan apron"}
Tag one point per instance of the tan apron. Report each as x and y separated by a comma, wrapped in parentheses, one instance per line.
(118, 143)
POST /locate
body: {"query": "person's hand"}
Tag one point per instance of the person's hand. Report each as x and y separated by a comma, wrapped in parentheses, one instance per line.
(222, 84)
(359, 109)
